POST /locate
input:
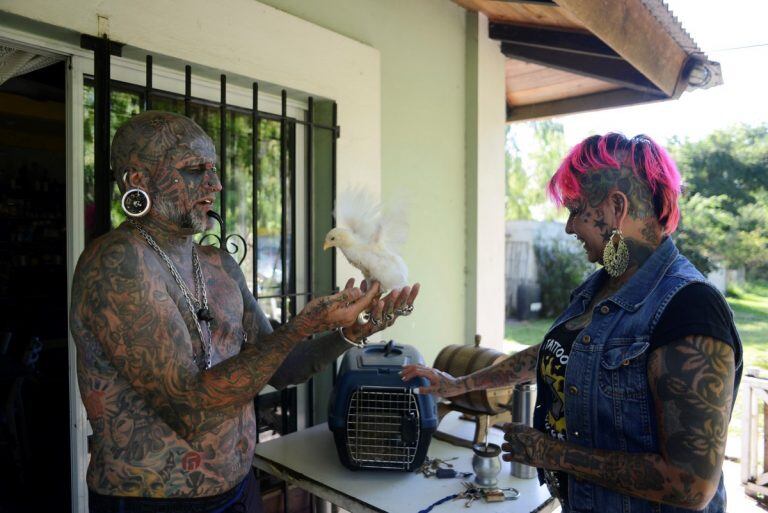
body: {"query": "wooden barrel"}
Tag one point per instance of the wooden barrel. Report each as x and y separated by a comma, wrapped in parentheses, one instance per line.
(460, 360)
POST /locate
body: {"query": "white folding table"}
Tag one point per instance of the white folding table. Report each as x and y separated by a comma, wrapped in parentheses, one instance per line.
(308, 459)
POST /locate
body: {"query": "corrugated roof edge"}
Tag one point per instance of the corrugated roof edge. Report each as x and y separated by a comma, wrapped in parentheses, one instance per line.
(709, 73)
(674, 28)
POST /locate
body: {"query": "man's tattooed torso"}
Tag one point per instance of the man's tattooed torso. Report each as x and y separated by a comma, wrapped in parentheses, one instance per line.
(134, 452)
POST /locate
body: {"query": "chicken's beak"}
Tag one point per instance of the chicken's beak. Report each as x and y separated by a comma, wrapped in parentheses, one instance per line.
(326, 245)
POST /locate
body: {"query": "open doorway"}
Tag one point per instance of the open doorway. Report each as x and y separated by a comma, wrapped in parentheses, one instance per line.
(34, 391)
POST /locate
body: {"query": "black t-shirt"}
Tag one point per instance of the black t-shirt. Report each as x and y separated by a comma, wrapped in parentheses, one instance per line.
(697, 309)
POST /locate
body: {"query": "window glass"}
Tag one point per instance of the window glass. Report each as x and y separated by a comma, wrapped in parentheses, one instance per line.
(124, 105)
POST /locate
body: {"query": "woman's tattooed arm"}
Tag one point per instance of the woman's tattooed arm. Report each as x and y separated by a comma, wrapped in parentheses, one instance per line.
(518, 368)
(692, 384)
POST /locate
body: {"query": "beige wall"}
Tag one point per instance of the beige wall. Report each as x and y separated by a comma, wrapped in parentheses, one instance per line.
(421, 45)
(442, 139)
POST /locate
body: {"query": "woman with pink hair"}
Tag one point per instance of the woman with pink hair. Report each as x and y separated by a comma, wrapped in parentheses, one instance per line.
(637, 378)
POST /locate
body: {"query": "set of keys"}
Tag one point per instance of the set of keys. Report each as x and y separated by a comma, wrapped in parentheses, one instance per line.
(473, 493)
(441, 469)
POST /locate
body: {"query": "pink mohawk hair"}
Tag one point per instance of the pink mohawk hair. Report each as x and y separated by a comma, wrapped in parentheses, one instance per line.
(649, 161)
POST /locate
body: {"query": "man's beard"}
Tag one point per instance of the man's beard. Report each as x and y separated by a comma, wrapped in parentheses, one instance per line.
(185, 220)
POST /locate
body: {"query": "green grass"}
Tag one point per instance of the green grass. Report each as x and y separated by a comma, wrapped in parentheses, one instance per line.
(750, 311)
(527, 333)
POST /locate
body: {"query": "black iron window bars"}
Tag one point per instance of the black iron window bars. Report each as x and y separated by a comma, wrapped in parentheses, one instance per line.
(233, 243)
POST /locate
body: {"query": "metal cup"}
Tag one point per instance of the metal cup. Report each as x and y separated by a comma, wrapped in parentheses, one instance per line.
(486, 464)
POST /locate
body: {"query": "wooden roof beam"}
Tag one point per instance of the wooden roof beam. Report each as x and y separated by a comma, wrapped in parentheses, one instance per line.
(632, 31)
(534, 2)
(555, 39)
(606, 68)
(595, 101)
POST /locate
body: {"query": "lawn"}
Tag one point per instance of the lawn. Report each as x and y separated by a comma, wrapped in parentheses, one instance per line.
(750, 309)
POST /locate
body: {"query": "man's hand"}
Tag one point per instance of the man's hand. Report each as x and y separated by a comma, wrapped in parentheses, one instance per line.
(525, 445)
(384, 312)
(336, 311)
(441, 383)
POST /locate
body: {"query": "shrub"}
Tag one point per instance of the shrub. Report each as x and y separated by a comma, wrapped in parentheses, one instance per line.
(561, 266)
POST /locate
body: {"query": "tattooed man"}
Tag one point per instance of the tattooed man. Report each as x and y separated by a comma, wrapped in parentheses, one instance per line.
(171, 344)
(637, 378)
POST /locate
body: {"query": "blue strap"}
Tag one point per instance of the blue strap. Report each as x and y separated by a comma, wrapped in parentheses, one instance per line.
(441, 501)
(234, 499)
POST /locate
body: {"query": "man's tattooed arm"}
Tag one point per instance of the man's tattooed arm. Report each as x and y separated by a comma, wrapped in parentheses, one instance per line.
(305, 359)
(117, 300)
(692, 384)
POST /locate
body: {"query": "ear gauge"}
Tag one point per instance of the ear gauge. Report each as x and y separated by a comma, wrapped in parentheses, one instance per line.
(136, 203)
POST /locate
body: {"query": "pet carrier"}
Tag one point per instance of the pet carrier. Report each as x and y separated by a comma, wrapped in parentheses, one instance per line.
(376, 419)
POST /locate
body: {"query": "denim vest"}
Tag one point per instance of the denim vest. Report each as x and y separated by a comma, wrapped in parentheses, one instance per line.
(608, 402)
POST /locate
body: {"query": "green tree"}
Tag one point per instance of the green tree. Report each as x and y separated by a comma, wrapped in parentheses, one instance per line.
(725, 205)
(561, 266)
(527, 178)
(517, 206)
(733, 162)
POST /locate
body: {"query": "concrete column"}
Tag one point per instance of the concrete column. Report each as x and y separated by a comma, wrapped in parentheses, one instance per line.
(485, 124)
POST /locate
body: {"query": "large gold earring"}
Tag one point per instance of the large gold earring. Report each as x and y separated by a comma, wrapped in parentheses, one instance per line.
(616, 254)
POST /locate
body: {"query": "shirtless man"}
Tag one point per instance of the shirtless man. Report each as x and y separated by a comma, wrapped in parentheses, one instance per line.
(171, 344)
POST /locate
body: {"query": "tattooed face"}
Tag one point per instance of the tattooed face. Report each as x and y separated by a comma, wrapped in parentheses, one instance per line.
(593, 217)
(178, 165)
(590, 227)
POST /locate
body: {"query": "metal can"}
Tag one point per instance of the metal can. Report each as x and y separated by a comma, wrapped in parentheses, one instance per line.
(521, 406)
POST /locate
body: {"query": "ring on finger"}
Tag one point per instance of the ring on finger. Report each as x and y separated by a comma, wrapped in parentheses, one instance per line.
(376, 322)
(405, 311)
(389, 317)
(363, 317)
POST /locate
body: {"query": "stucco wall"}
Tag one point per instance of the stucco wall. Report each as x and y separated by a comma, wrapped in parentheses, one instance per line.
(422, 47)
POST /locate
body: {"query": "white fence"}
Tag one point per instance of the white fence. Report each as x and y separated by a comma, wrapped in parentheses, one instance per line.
(754, 439)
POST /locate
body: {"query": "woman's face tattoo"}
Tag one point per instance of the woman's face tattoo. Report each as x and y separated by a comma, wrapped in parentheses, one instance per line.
(592, 217)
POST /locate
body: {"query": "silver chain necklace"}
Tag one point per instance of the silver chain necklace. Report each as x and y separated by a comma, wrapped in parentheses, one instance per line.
(197, 307)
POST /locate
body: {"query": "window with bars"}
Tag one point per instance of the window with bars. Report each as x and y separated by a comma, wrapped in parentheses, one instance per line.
(279, 185)
(269, 281)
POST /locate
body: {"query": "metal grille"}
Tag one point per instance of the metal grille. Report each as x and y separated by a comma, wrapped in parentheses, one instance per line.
(379, 421)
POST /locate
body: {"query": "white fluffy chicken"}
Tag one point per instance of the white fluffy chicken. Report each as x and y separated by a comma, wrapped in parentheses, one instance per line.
(369, 235)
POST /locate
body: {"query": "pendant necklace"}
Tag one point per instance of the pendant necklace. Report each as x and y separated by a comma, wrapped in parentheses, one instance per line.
(198, 308)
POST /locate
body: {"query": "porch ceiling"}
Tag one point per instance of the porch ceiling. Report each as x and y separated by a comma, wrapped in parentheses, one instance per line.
(566, 56)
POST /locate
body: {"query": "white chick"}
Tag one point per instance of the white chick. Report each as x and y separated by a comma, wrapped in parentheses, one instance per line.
(369, 234)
